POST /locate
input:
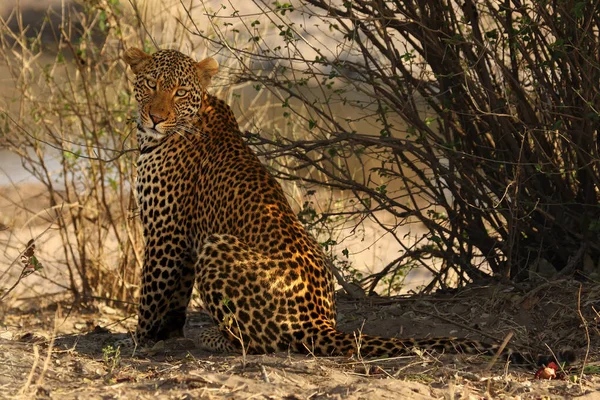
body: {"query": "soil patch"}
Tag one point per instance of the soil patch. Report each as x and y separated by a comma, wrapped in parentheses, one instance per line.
(53, 350)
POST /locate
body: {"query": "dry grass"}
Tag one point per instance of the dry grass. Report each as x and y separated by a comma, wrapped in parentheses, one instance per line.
(78, 365)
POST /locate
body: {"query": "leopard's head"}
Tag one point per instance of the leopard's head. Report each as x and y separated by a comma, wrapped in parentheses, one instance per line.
(169, 87)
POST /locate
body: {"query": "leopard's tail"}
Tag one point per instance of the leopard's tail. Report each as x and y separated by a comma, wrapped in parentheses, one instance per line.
(329, 341)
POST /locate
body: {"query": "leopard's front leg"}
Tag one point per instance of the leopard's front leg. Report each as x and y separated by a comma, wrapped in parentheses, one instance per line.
(166, 287)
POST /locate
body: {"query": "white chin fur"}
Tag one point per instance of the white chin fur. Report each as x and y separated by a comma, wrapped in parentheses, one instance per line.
(150, 133)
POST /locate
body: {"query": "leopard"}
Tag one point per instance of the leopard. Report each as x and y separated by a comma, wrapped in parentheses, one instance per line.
(215, 218)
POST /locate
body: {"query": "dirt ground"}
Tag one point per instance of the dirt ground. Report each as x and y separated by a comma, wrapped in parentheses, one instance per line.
(50, 349)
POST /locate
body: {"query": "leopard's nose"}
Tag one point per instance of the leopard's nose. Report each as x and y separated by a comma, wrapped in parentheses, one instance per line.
(157, 118)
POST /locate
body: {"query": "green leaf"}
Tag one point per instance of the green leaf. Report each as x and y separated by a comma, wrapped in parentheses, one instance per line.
(493, 34)
(113, 184)
(579, 9)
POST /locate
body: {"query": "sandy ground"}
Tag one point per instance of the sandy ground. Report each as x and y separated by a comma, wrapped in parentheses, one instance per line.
(50, 349)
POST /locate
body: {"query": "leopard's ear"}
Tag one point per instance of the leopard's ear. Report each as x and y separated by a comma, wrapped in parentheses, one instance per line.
(136, 59)
(206, 69)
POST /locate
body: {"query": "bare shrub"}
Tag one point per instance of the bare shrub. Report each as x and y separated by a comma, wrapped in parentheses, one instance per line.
(482, 124)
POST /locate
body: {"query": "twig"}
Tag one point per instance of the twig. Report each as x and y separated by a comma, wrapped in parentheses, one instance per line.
(26, 256)
(500, 350)
(574, 261)
(587, 335)
(265, 376)
(57, 316)
(352, 292)
(36, 359)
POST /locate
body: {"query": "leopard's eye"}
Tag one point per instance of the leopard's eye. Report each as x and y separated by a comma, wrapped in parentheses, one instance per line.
(151, 84)
(181, 92)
